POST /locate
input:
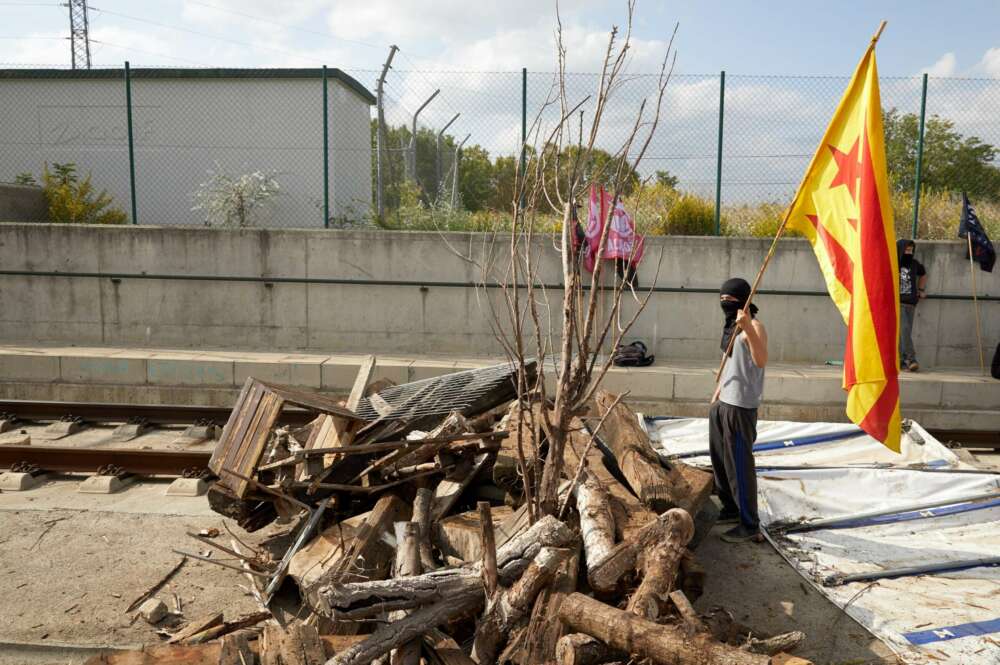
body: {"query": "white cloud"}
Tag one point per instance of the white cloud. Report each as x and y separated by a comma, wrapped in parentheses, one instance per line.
(945, 66)
(991, 61)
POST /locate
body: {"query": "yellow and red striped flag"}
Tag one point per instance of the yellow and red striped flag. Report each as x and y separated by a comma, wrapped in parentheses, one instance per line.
(843, 208)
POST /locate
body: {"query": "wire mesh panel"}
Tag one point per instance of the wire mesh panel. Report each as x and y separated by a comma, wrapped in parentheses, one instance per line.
(72, 125)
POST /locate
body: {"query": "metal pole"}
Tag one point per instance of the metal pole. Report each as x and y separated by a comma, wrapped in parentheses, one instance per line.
(524, 131)
(131, 141)
(718, 162)
(380, 134)
(454, 182)
(910, 571)
(437, 156)
(413, 135)
(326, 154)
(920, 157)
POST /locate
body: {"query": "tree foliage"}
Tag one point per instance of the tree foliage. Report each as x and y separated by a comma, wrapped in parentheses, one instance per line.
(74, 201)
(951, 161)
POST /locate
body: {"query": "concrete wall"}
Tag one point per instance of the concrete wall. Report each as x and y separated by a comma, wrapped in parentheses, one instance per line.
(185, 126)
(22, 203)
(413, 319)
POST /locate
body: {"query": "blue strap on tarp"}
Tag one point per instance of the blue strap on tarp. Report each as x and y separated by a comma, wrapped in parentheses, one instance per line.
(778, 444)
(971, 629)
(943, 511)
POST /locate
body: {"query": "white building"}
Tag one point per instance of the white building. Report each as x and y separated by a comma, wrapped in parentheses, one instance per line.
(187, 122)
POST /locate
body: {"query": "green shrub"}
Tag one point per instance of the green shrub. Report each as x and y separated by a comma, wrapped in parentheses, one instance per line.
(689, 216)
(74, 201)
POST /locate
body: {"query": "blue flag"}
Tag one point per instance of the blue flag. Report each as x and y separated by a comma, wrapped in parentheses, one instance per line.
(969, 227)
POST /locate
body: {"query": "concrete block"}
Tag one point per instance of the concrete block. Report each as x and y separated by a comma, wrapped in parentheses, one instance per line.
(153, 610)
(693, 385)
(974, 393)
(797, 388)
(105, 484)
(193, 372)
(649, 382)
(15, 481)
(338, 373)
(920, 390)
(304, 375)
(187, 487)
(29, 367)
(102, 369)
(428, 369)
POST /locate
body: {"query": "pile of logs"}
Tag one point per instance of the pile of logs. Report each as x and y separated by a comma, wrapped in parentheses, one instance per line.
(412, 546)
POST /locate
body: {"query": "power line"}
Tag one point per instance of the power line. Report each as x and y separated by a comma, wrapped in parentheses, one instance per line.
(204, 34)
(287, 26)
(152, 53)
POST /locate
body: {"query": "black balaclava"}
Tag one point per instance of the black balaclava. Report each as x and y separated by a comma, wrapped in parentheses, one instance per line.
(739, 289)
(904, 259)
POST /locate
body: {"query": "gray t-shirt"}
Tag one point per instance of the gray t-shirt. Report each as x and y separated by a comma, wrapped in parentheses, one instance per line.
(742, 381)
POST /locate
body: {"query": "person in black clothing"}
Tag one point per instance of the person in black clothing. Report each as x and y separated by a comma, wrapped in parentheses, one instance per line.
(912, 289)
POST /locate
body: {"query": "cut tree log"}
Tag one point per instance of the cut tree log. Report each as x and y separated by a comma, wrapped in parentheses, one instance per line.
(680, 486)
(662, 644)
(510, 608)
(581, 649)
(443, 650)
(629, 514)
(624, 556)
(458, 535)
(407, 564)
(544, 629)
(686, 610)
(422, 503)
(597, 524)
(776, 644)
(489, 547)
(659, 564)
(358, 600)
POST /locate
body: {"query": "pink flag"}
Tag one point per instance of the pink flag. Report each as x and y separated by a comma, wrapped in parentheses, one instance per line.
(623, 242)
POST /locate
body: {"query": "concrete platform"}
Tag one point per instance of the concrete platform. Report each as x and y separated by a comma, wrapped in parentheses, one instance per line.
(943, 398)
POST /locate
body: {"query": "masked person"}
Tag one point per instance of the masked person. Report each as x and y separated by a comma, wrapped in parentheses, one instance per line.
(912, 280)
(732, 419)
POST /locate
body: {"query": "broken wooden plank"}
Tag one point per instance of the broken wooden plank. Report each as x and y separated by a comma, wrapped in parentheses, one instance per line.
(197, 626)
(361, 383)
(235, 650)
(680, 486)
(522, 442)
(350, 549)
(449, 489)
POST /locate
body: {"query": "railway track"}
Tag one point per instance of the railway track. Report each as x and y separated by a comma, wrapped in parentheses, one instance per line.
(70, 459)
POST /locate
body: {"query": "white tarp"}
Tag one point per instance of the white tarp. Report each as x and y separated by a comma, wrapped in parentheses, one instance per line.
(812, 471)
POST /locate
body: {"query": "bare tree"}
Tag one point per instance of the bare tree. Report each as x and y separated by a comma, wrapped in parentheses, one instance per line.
(590, 318)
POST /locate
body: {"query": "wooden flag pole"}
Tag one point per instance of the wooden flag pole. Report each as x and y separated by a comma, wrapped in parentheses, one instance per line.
(756, 283)
(975, 304)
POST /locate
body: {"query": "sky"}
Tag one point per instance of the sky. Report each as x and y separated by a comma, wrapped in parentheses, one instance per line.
(958, 38)
(473, 52)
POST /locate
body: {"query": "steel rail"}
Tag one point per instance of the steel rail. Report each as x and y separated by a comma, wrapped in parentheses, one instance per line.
(156, 414)
(89, 460)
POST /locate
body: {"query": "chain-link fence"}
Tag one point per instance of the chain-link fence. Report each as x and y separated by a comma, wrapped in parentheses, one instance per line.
(255, 148)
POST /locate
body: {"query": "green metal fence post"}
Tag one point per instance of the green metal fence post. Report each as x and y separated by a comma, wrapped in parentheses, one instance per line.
(131, 141)
(326, 154)
(524, 128)
(718, 162)
(920, 158)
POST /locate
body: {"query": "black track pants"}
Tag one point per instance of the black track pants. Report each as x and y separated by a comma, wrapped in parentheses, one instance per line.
(731, 434)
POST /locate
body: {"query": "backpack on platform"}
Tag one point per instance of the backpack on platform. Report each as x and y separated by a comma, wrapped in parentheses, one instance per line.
(632, 355)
